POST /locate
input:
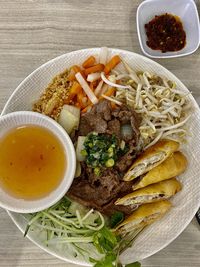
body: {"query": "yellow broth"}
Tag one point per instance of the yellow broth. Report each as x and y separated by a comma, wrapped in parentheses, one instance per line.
(32, 162)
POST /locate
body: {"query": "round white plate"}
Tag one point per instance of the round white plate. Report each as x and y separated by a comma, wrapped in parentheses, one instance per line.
(185, 204)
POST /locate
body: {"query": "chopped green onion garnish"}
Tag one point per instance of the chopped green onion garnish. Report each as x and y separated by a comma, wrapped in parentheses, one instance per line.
(110, 163)
(97, 171)
(83, 152)
(101, 150)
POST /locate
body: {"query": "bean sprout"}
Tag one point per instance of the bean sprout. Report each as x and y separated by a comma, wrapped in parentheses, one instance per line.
(164, 109)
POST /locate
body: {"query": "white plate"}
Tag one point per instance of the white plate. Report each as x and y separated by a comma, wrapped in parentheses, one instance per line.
(185, 203)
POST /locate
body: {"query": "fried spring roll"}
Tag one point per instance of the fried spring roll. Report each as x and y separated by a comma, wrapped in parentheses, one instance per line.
(171, 167)
(151, 158)
(152, 193)
(143, 216)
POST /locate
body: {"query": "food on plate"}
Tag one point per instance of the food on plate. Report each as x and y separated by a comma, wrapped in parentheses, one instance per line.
(89, 62)
(68, 222)
(171, 167)
(80, 232)
(166, 33)
(69, 118)
(126, 127)
(101, 151)
(53, 98)
(107, 152)
(152, 193)
(163, 108)
(144, 215)
(112, 64)
(151, 158)
(31, 154)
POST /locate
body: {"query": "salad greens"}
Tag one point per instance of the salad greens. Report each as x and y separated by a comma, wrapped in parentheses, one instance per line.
(135, 264)
(82, 231)
(102, 151)
(112, 246)
(116, 218)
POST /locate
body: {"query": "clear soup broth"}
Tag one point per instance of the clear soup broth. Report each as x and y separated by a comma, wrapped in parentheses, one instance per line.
(32, 162)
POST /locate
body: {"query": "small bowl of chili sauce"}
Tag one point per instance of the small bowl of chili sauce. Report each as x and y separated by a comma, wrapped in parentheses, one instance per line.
(168, 28)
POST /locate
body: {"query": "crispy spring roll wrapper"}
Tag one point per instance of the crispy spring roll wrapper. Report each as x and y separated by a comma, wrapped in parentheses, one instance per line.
(151, 158)
(171, 167)
(143, 216)
(151, 193)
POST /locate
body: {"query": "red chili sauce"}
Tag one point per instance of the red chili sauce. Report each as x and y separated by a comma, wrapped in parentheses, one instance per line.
(165, 33)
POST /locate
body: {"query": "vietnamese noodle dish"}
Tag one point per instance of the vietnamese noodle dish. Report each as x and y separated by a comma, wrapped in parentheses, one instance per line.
(127, 128)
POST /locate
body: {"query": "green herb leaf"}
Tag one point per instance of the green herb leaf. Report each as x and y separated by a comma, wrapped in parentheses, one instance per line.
(104, 241)
(109, 236)
(99, 264)
(110, 257)
(107, 261)
(116, 218)
(96, 241)
(134, 264)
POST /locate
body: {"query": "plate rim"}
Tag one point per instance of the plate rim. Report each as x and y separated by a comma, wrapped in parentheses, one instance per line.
(114, 50)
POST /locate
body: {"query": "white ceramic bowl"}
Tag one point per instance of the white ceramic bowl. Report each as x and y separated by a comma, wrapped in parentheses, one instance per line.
(185, 9)
(16, 119)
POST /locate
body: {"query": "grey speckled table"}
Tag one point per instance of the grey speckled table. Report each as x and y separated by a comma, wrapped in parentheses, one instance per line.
(31, 33)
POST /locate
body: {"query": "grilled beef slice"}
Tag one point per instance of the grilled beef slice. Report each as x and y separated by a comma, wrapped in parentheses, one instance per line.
(100, 192)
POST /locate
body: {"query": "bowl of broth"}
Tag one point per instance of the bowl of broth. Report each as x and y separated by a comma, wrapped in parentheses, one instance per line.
(37, 162)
